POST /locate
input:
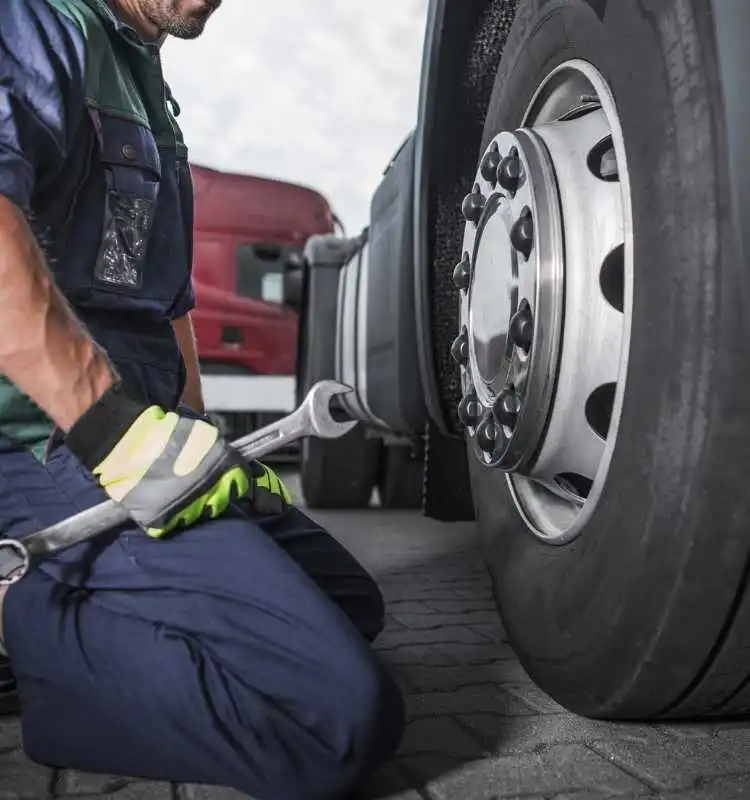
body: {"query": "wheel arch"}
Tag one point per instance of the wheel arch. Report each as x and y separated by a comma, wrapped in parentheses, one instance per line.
(457, 78)
(456, 82)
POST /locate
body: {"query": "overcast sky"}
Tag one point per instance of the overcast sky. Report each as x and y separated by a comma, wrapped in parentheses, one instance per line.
(319, 92)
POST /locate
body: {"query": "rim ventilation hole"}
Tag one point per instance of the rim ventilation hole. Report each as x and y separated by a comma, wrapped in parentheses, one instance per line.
(575, 484)
(602, 161)
(599, 408)
(612, 278)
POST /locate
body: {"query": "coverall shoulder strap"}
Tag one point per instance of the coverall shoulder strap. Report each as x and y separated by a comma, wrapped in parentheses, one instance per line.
(110, 87)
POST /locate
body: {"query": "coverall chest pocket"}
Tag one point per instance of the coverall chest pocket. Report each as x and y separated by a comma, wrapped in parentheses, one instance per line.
(132, 169)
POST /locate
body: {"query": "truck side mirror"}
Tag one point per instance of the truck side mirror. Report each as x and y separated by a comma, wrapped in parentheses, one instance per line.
(293, 273)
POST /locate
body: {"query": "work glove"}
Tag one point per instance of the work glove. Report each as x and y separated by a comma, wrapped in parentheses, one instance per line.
(167, 470)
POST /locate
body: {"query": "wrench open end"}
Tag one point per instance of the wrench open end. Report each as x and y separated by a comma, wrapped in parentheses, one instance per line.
(14, 561)
(320, 413)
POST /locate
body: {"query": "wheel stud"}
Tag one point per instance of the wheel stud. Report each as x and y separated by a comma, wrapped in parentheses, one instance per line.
(462, 273)
(490, 164)
(522, 327)
(507, 407)
(487, 433)
(460, 348)
(522, 233)
(469, 410)
(509, 173)
(473, 205)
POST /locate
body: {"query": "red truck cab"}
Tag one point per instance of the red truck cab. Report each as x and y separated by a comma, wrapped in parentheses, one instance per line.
(249, 234)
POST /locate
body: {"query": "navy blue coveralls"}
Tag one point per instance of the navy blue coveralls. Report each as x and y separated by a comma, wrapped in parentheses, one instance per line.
(235, 653)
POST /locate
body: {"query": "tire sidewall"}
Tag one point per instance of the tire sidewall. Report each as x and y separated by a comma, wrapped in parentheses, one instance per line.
(620, 621)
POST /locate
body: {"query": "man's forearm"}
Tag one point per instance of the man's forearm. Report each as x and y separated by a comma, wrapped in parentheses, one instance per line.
(44, 349)
(192, 395)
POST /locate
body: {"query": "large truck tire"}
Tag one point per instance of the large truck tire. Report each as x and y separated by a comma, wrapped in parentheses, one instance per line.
(339, 473)
(605, 367)
(334, 473)
(401, 478)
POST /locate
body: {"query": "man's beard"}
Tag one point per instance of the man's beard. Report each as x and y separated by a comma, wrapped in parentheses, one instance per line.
(165, 14)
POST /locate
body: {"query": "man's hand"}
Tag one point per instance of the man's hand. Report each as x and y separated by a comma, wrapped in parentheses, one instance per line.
(167, 470)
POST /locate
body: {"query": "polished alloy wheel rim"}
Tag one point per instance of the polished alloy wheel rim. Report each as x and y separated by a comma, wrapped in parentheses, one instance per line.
(545, 284)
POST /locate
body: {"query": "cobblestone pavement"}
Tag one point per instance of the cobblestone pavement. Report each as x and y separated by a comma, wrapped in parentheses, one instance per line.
(479, 729)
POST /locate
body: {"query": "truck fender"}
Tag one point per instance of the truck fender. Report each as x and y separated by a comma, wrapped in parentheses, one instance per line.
(458, 71)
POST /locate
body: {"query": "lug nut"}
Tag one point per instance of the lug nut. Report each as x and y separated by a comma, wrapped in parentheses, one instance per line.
(469, 410)
(507, 407)
(462, 273)
(487, 433)
(490, 164)
(522, 327)
(460, 348)
(473, 205)
(509, 173)
(522, 233)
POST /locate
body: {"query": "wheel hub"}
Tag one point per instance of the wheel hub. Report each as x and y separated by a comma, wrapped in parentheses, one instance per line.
(515, 280)
(545, 286)
(491, 288)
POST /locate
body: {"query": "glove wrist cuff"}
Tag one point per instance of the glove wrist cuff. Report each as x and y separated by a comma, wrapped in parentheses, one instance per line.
(96, 432)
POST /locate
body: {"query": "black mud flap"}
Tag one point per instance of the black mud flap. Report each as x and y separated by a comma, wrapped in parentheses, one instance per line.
(447, 492)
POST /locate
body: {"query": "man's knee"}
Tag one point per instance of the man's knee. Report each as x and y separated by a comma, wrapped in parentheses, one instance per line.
(377, 720)
(320, 743)
(364, 722)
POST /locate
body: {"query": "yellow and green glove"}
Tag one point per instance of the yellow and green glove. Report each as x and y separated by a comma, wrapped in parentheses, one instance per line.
(167, 470)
